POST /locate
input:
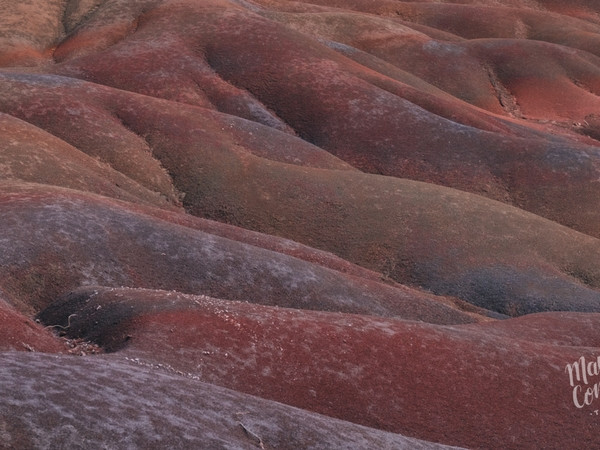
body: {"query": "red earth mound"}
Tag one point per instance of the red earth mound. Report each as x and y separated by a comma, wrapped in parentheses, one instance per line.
(400, 376)
(368, 123)
(381, 211)
(451, 242)
(103, 242)
(57, 402)
(389, 139)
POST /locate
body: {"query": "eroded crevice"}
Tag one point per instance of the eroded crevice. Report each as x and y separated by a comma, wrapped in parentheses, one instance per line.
(506, 99)
(254, 109)
(92, 28)
(521, 30)
(63, 21)
(584, 86)
(78, 12)
(174, 195)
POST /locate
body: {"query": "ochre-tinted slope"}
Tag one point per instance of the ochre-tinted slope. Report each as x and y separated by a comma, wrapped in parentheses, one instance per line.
(377, 122)
(384, 212)
(454, 243)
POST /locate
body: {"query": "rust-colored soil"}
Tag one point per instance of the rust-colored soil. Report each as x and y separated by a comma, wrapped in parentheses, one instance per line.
(20, 333)
(384, 212)
(400, 376)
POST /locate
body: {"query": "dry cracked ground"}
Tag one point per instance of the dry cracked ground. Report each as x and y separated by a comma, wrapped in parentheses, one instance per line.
(299, 224)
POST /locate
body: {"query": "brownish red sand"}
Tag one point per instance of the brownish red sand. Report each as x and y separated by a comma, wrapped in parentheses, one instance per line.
(377, 223)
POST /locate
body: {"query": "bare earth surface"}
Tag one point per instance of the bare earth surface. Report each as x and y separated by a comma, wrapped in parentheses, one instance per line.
(299, 224)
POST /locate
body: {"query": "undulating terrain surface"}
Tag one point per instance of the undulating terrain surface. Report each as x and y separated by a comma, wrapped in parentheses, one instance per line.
(274, 224)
